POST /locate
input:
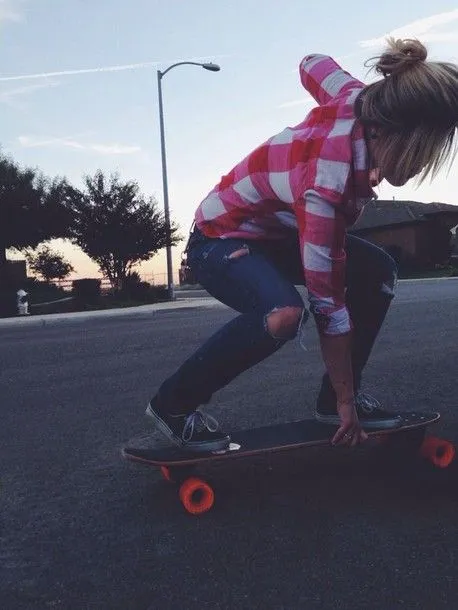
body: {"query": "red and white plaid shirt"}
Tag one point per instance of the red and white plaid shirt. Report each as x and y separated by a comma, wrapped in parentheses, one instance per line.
(312, 178)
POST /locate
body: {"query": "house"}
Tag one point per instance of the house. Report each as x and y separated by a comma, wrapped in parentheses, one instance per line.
(417, 235)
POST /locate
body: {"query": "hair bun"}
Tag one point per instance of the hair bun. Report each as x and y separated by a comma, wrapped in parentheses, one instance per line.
(400, 55)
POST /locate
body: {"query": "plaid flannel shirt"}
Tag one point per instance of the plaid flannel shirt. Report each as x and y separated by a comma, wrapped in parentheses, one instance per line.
(312, 178)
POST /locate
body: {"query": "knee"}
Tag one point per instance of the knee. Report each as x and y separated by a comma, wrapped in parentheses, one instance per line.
(284, 323)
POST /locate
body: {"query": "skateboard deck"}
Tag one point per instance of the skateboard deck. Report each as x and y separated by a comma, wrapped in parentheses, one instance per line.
(176, 463)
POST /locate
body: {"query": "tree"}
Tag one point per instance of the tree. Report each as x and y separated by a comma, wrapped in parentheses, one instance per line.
(50, 265)
(116, 226)
(32, 208)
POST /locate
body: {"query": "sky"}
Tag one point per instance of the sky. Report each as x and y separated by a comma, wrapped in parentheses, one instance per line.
(78, 87)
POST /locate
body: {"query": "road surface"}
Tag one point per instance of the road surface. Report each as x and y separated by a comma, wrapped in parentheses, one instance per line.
(330, 529)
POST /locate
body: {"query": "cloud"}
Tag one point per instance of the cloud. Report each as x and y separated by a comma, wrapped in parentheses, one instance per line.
(145, 64)
(104, 149)
(9, 11)
(426, 29)
(9, 96)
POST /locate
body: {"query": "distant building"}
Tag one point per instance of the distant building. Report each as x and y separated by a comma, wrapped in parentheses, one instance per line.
(418, 235)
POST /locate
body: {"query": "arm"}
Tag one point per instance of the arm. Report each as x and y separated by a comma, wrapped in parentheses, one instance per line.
(322, 232)
(336, 352)
(322, 240)
(323, 78)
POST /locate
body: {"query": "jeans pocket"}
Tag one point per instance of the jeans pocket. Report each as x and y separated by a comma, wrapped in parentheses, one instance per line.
(212, 259)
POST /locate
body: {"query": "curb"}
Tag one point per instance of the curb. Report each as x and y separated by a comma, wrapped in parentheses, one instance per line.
(81, 316)
(426, 279)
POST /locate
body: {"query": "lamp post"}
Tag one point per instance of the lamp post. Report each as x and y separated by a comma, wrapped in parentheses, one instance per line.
(160, 76)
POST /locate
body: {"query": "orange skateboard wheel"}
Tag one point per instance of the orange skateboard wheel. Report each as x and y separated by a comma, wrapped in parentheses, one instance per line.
(440, 452)
(196, 496)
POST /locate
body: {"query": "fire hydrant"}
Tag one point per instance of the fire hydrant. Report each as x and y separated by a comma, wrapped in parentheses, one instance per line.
(22, 303)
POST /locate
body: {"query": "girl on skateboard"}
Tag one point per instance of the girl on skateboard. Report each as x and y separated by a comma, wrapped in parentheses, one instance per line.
(279, 219)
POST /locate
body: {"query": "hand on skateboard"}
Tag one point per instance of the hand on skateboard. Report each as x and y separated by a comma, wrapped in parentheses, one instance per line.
(350, 432)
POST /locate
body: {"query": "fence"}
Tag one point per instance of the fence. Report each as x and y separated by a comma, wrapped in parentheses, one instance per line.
(67, 285)
(156, 279)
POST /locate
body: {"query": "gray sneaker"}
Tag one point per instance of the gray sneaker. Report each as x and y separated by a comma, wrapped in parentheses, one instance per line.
(196, 431)
(370, 414)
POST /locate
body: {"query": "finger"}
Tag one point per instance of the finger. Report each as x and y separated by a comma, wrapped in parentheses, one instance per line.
(349, 439)
(339, 436)
(361, 435)
(346, 439)
(354, 439)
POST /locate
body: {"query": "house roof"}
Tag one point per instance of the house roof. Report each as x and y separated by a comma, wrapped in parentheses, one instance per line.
(382, 213)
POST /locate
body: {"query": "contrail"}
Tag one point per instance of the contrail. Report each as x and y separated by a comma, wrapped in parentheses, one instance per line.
(84, 71)
(146, 64)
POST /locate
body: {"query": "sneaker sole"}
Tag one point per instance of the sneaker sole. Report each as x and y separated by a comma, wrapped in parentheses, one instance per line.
(376, 424)
(201, 447)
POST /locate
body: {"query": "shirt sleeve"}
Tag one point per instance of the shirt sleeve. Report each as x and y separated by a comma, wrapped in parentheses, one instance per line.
(323, 78)
(322, 231)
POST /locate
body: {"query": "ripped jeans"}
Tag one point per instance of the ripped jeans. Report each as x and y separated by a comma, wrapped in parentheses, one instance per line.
(259, 280)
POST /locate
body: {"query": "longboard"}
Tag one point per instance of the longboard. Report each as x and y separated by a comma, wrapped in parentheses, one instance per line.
(197, 496)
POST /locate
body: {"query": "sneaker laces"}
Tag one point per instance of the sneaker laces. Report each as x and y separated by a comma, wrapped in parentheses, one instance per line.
(196, 422)
(367, 403)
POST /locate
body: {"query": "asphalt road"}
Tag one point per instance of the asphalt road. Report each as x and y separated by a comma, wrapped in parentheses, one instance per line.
(326, 529)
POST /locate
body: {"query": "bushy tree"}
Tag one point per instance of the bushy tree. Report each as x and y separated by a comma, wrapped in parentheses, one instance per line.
(32, 208)
(115, 225)
(48, 264)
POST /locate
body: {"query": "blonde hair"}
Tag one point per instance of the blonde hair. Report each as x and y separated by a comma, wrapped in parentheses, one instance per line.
(413, 111)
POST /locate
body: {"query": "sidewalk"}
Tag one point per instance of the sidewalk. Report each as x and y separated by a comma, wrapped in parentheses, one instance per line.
(141, 310)
(146, 310)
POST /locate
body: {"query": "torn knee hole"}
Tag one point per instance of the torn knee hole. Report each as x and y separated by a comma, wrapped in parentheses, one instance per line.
(238, 253)
(284, 323)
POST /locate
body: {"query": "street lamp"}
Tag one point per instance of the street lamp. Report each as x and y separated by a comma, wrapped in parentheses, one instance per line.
(212, 68)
